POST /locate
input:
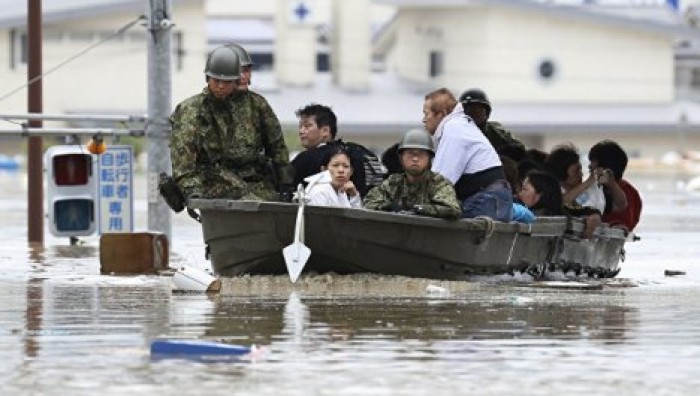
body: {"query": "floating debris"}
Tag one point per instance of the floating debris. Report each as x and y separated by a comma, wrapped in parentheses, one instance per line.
(673, 273)
(188, 278)
(572, 285)
(200, 350)
(437, 291)
(520, 300)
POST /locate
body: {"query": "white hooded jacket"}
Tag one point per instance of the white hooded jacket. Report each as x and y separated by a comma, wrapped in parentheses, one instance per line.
(320, 192)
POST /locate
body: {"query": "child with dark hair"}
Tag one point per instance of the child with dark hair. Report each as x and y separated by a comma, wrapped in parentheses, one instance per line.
(524, 167)
(607, 154)
(540, 196)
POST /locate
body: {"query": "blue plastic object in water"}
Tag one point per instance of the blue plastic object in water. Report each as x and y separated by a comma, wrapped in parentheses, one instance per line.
(196, 347)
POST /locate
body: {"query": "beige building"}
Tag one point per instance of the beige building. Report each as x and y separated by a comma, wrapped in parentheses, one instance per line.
(111, 78)
(554, 73)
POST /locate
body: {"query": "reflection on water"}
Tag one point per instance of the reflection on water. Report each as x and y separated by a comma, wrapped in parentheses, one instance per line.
(490, 315)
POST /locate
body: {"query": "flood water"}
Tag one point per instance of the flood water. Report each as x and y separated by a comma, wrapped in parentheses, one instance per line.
(66, 330)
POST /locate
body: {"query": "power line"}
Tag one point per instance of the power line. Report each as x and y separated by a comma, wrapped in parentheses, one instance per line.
(72, 58)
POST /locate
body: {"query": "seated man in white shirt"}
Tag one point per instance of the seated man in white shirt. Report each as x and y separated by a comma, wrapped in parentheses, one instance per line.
(466, 158)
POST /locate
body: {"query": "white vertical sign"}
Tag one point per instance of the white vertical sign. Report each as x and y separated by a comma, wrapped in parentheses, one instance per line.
(116, 189)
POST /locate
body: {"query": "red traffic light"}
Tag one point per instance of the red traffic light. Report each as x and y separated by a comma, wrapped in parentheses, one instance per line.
(72, 169)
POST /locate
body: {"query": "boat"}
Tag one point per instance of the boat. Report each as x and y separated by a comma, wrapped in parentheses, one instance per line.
(247, 237)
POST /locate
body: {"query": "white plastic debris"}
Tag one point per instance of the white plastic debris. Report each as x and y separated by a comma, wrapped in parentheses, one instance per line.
(433, 290)
(520, 300)
(188, 278)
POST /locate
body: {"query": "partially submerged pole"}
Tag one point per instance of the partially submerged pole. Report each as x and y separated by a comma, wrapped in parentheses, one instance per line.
(159, 108)
(35, 188)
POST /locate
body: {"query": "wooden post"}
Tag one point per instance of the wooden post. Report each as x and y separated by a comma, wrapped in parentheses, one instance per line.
(35, 193)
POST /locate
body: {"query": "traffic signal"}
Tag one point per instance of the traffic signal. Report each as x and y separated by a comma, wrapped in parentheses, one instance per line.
(71, 191)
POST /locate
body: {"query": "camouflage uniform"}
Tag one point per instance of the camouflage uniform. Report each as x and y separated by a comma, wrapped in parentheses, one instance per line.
(499, 136)
(220, 148)
(434, 196)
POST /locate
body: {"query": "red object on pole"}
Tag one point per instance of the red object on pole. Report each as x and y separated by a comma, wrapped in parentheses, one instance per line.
(35, 193)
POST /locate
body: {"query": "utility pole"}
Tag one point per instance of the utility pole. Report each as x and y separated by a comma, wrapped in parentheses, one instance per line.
(159, 109)
(35, 186)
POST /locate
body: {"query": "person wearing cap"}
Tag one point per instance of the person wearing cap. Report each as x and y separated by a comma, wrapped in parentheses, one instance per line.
(216, 146)
(466, 158)
(417, 190)
(477, 106)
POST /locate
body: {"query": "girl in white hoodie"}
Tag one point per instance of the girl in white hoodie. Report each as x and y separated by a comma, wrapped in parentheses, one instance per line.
(332, 186)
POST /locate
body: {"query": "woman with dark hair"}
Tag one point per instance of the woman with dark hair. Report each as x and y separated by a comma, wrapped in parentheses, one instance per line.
(540, 196)
(564, 163)
(332, 186)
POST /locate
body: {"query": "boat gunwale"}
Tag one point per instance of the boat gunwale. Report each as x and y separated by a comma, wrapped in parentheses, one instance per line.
(544, 226)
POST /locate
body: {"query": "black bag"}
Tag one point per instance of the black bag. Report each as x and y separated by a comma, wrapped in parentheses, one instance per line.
(171, 193)
(375, 173)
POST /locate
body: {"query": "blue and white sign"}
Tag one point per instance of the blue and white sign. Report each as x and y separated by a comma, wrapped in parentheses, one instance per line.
(116, 189)
(301, 12)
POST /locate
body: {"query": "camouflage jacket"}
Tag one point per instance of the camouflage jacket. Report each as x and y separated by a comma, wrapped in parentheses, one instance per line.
(434, 196)
(253, 106)
(219, 148)
(499, 136)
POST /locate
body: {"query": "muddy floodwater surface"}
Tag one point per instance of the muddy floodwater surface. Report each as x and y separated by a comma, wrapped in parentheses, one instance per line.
(67, 330)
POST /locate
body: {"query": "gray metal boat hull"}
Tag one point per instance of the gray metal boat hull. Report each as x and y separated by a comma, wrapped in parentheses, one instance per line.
(245, 237)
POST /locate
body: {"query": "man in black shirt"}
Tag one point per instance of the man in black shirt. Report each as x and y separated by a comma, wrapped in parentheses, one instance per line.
(318, 127)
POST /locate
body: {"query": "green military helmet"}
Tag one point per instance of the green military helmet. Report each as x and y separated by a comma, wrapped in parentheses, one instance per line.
(243, 55)
(417, 139)
(475, 95)
(223, 64)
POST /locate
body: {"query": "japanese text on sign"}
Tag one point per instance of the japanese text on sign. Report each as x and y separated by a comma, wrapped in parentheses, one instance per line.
(116, 189)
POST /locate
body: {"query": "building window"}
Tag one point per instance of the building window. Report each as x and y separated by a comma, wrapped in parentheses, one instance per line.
(262, 60)
(323, 62)
(437, 66)
(18, 48)
(546, 69)
(695, 78)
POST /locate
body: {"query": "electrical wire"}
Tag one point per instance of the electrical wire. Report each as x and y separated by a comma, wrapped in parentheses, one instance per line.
(119, 31)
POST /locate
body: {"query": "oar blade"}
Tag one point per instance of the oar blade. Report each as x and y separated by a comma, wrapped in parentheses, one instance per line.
(295, 256)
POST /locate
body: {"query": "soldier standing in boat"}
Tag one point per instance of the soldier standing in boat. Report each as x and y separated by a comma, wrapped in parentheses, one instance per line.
(477, 106)
(417, 190)
(224, 140)
(255, 109)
